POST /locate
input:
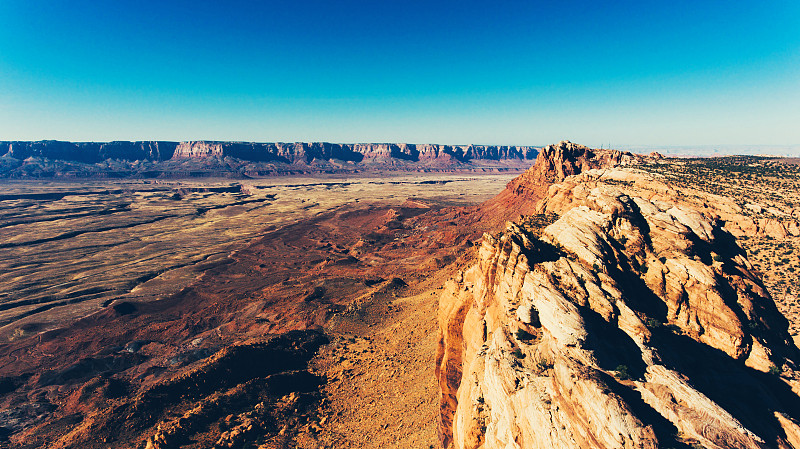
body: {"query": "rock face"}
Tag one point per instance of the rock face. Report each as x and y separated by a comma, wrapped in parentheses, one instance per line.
(288, 153)
(89, 152)
(613, 317)
(565, 159)
(554, 163)
(56, 159)
(373, 152)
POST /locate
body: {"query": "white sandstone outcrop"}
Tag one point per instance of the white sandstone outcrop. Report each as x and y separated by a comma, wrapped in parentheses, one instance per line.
(631, 321)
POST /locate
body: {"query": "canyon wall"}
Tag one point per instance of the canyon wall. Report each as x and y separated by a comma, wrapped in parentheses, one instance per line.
(614, 315)
(89, 152)
(287, 153)
(292, 153)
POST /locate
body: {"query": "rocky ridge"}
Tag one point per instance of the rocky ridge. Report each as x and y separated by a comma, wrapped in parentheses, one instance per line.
(615, 314)
(554, 164)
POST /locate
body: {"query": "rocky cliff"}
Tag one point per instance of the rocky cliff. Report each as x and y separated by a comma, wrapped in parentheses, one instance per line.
(554, 163)
(56, 159)
(89, 152)
(288, 153)
(614, 315)
(372, 152)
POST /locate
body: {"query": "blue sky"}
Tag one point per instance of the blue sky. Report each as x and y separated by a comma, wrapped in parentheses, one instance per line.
(504, 72)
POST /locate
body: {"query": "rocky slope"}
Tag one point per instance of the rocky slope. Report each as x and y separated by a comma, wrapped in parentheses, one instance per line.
(615, 315)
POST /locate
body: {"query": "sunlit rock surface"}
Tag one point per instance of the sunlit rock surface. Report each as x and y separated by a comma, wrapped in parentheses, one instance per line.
(614, 315)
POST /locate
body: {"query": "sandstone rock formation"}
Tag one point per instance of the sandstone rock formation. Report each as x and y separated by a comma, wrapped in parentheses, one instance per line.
(89, 152)
(56, 159)
(288, 153)
(555, 162)
(615, 316)
(371, 152)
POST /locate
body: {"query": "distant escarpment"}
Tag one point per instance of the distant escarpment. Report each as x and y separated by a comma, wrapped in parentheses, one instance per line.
(294, 153)
(616, 314)
(76, 159)
(89, 152)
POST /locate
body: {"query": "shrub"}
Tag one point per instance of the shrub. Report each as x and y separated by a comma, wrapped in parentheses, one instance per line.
(653, 323)
(523, 335)
(754, 326)
(622, 372)
(543, 365)
(775, 371)
(718, 258)
(518, 353)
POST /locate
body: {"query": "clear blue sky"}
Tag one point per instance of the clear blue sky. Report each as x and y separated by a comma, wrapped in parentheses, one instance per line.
(501, 72)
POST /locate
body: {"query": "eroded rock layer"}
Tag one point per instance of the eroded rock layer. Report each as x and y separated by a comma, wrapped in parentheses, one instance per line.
(368, 152)
(289, 153)
(613, 316)
(149, 159)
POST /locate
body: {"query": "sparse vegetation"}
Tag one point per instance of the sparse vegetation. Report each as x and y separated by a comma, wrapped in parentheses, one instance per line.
(523, 335)
(621, 372)
(543, 365)
(536, 222)
(766, 189)
(653, 323)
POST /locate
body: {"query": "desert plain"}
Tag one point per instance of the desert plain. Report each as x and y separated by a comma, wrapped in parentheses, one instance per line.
(71, 247)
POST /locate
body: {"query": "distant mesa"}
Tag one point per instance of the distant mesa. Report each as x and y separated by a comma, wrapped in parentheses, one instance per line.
(89, 152)
(268, 157)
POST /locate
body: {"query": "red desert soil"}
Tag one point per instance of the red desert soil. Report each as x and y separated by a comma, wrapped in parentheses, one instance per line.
(363, 274)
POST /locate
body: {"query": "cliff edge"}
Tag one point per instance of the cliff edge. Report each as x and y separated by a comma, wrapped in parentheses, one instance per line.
(614, 314)
(553, 164)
